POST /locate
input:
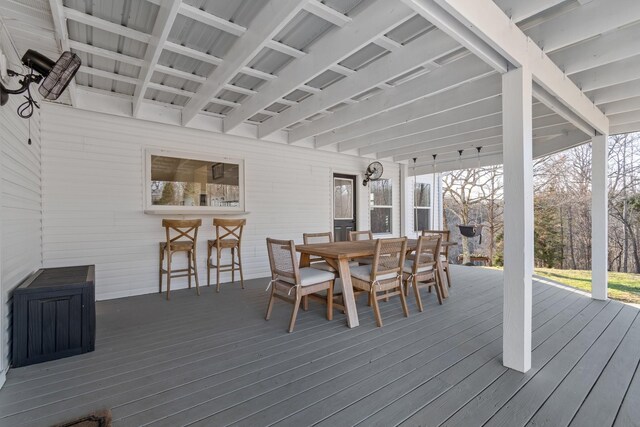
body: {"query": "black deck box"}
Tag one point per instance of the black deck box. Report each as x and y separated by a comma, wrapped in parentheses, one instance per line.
(53, 315)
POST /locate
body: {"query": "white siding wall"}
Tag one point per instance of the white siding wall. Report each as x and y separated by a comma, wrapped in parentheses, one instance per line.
(93, 195)
(21, 208)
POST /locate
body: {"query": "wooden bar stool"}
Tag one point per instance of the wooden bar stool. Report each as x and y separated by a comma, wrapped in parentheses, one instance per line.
(228, 236)
(187, 230)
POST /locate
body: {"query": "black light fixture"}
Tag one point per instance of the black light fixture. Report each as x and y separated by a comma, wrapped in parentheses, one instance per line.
(55, 77)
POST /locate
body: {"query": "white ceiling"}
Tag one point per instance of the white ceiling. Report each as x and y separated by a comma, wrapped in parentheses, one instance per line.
(365, 77)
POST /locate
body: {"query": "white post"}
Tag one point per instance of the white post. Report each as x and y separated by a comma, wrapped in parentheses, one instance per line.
(404, 201)
(518, 218)
(599, 217)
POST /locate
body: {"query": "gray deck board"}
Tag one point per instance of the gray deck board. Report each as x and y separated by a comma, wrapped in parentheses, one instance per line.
(214, 360)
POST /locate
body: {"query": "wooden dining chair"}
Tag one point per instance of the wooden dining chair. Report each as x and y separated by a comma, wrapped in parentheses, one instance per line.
(384, 275)
(228, 236)
(355, 236)
(421, 271)
(313, 238)
(444, 250)
(181, 236)
(288, 278)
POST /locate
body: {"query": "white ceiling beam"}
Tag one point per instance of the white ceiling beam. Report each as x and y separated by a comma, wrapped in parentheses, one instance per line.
(624, 106)
(211, 20)
(485, 127)
(492, 26)
(179, 73)
(519, 10)
(271, 19)
(474, 111)
(108, 75)
(165, 18)
(323, 11)
(257, 73)
(286, 49)
(584, 22)
(616, 92)
(455, 74)
(60, 26)
(341, 69)
(170, 89)
(468, 93)
(192, 53)
(561, 109)
(310, 89)
(388, 44)
(105, 25)
(560, 143)
(605, 49)
(422, 50)
(224, 102)
(626, 128)
(109, 54)
(624, 118)
(608, 75)
(375, 20)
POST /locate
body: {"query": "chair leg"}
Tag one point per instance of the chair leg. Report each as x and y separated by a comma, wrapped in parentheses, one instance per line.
(294, 313)
(208, 265)
(189, 269)
(218, 254)
(233, 265)
(416, 291)
(160, 270)
(403, 300)
(438, 291)
(169, 256)
(270, 306)
(305, 303)
(446, 270)
(240, 268)
(330, 302)
(376, 309)
(195, 271)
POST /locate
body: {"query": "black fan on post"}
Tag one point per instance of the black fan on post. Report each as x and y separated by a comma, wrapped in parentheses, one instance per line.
(373, 173)
(57, 76)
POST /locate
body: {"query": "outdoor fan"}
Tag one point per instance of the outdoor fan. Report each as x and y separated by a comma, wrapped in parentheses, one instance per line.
(373, 173)
(57, 76)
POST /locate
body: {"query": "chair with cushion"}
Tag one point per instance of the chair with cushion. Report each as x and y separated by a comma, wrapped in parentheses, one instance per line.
(181, 236)
(444, 250)
(355, 236)
(291, 283)
(384, 275)
(228, 236)
(421, 271)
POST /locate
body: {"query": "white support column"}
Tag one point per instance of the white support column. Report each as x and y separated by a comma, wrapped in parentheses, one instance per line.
(404, 201)
(599, 217)
(518, 218)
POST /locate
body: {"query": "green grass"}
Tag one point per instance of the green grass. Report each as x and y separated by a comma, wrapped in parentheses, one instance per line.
(623, 287)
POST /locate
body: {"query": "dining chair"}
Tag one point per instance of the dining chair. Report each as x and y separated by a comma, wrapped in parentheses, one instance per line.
(444, 250)
(228, 236)
(384, 275)
(181, 236)
(355, 236)
(288, 278)
(421, 271)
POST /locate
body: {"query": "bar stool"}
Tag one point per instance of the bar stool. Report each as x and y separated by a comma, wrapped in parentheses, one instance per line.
(188, 231)
(228, 236)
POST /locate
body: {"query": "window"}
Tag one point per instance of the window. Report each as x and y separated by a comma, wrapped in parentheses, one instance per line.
(178, 182)
(381, 206)
(422, 206)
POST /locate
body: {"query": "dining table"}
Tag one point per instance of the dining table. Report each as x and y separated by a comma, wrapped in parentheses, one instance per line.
(338, 255)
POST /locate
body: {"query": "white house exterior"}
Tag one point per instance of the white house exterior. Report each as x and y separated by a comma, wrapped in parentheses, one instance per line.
(300, 90)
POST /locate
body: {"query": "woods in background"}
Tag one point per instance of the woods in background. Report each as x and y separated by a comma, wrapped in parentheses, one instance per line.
(562, 208)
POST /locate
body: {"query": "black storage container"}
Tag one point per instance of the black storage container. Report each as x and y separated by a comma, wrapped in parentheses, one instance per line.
(54, 315)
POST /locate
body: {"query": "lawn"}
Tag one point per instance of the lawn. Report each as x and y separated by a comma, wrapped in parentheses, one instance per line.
(623, 287)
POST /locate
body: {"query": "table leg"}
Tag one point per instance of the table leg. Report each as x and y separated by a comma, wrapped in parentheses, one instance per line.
(305, 260)
(347, 294)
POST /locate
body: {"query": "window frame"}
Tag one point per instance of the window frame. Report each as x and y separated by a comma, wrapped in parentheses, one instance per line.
(150, 208)
(372, 207)
(427, 208)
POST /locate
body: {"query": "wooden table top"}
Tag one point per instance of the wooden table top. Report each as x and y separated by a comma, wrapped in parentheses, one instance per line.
(341, 250)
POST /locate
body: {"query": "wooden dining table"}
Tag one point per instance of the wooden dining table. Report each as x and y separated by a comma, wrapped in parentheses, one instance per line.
(338, 255)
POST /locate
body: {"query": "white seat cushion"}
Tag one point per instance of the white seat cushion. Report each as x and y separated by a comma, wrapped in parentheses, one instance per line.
(323, 265)
(408, 267)
(310, 276)
(363, 273)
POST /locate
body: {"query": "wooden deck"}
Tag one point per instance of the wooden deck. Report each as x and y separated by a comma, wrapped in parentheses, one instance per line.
(213, 360)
